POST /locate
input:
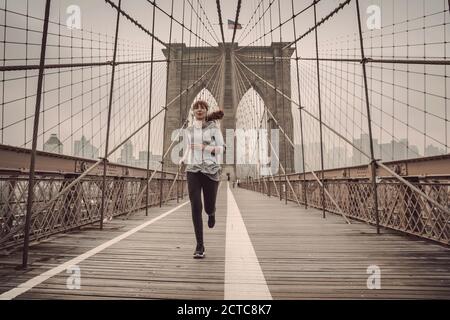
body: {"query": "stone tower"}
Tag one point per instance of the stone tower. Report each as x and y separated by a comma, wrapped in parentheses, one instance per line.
(188, 64)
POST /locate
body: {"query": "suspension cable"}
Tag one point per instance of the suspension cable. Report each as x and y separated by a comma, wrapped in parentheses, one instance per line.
(320, 182)
(219, 13)
(236, 20)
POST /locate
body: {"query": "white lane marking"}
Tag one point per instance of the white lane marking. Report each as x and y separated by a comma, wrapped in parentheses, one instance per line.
(24, 287)
(244, 279)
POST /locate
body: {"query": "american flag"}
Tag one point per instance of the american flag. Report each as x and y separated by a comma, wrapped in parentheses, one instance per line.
(231, 25)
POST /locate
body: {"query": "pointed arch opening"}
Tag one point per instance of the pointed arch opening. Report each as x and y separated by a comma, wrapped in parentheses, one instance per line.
(207, 96)
(250, 116)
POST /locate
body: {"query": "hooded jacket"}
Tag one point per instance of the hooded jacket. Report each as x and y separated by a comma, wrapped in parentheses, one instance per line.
(208, 160)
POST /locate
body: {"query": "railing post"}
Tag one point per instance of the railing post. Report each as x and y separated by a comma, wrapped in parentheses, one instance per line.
(10, 201)
(373, 163)
(108, 125)
(31, 179)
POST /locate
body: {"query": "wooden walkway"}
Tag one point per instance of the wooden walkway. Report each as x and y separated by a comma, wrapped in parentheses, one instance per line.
(301, 255)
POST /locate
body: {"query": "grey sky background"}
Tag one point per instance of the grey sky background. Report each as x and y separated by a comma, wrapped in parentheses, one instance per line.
(419, 115)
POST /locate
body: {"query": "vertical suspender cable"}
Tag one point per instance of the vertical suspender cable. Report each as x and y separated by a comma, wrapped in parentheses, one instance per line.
(108, 126)
(320, 111)
(219, 13)
(37, 111)
(169, 50)
(373, 162)
(283, 103)
(302, 141)
(238, 9)
(149, 128)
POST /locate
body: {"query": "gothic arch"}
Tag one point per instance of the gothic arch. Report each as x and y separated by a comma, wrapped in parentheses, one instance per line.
(274, 71)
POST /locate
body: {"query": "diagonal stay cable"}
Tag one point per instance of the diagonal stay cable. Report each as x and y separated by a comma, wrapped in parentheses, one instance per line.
(290, 141)
(219, 67)
(238, 10)
(101, 160)
(178, 22)
(303, 108)
(219, 13)
(350, 143)
(241, 85)
(134, 21)
(312, 171)
(251, 29)
(250, 20)
(211, 32)
(278, 26)
(325, 19)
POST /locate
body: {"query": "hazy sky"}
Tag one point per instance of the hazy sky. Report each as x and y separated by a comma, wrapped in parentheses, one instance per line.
(407, 102)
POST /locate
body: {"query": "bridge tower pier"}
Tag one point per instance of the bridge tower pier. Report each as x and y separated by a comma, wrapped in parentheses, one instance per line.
(188, 64)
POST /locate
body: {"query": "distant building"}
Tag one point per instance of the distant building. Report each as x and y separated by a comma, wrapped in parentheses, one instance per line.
(333, 158)
(298, 160)
(432, 150)
(394, 150)
(336, 157)
(154, 163)
(363, 144)
(312, 156)
(83, 148)
(397, 150)
(126, 154)
(53, 144)
(127, 158)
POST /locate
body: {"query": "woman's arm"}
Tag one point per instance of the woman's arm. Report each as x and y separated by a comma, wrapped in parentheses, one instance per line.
(187, 149)
(220, 144)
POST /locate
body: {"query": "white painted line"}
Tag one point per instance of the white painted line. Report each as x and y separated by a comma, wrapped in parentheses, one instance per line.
(24, 287)
(244, 279)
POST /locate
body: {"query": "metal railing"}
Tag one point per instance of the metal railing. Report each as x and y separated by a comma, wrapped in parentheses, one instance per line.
(81, 205)
(399, 206)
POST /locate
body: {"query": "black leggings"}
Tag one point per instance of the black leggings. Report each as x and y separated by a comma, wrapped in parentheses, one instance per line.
(196, 182)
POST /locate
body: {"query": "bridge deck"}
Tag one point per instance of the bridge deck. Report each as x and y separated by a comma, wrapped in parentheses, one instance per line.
(289, 253)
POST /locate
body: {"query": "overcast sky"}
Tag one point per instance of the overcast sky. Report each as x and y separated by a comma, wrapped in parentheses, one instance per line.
(99, 17)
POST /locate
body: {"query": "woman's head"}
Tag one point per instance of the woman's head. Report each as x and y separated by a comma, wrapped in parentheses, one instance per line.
(200, 109)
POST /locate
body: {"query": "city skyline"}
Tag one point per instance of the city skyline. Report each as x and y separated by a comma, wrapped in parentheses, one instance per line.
(416, 116)
(84, 149)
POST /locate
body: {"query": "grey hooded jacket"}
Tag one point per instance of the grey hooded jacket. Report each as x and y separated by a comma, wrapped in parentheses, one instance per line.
(207, 161)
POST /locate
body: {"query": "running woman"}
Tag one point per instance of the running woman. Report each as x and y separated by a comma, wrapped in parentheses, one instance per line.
(205, 143)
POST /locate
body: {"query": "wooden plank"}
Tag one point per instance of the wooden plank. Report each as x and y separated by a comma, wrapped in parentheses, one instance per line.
(301, 256)
(134, 266)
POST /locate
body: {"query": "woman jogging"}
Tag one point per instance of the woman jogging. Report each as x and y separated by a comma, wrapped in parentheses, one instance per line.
(204, 143)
